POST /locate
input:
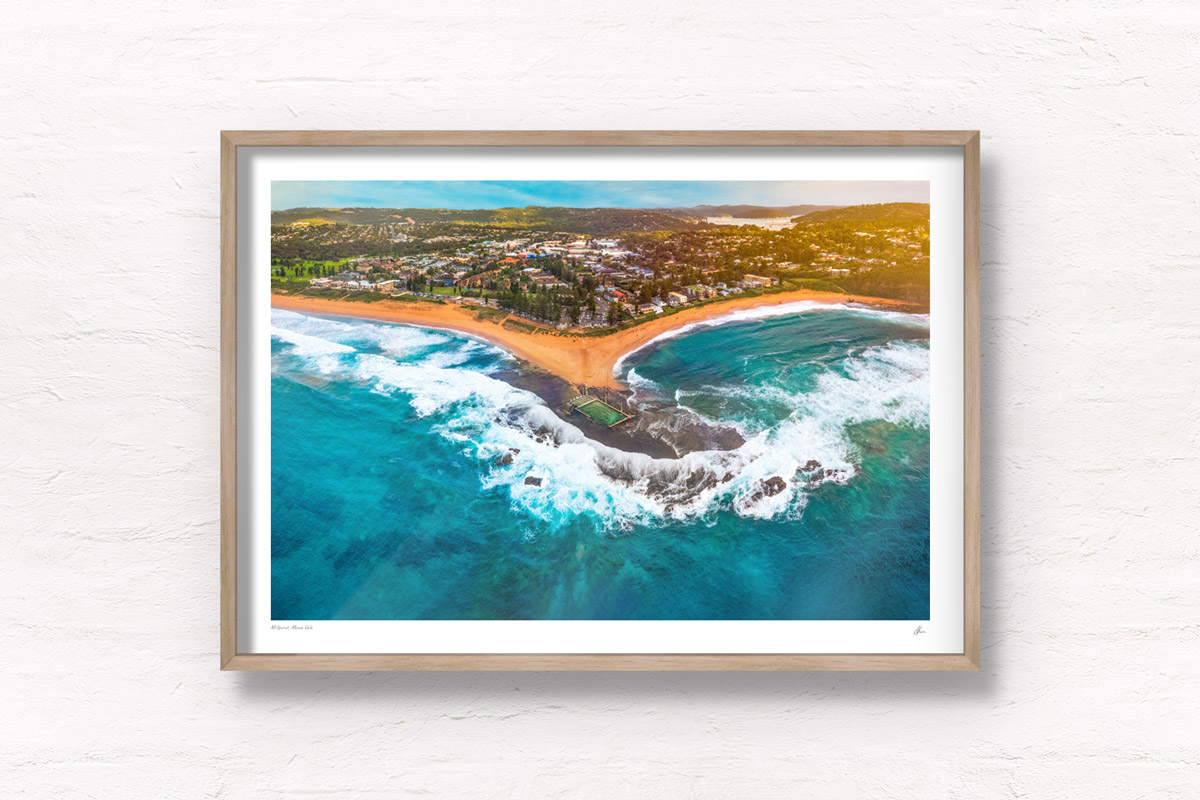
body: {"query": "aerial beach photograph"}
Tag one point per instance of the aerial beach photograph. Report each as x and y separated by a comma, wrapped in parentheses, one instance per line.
(600, 400)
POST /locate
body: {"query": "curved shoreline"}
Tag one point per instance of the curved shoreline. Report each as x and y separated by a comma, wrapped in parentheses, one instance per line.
(581, 360)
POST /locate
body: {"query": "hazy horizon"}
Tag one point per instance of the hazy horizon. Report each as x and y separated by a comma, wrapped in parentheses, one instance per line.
(481, 195)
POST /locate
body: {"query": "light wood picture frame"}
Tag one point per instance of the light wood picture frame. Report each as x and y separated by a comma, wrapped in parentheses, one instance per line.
(234, 564)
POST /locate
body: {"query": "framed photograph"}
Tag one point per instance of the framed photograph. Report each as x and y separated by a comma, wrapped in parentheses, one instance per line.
(600, 400)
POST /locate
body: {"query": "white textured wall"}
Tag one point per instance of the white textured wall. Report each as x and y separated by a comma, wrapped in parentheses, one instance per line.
(108, 404)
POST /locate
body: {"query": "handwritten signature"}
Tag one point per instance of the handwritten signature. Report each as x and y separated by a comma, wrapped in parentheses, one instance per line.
(919, 631)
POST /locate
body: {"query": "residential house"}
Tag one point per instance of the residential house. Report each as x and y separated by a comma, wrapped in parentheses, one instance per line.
(752, 281)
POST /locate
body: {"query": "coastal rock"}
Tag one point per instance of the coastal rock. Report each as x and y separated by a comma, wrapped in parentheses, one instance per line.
(544, 435)
(843, 476)
(768, 488)
(838, 476)
(504, 460)
(533, 481)
(810, 465)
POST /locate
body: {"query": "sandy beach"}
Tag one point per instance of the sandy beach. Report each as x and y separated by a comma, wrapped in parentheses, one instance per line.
(582, 360)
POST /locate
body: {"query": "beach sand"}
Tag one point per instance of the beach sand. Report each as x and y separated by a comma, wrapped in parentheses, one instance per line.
(581, 360)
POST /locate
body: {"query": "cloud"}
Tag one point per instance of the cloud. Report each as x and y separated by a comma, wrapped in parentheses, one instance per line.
(588, 194)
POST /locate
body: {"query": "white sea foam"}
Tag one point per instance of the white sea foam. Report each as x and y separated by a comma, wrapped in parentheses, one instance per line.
(902, 317)
(513, 436)
(309, 345)
(395, 339)
(766, 312)
(641, 388)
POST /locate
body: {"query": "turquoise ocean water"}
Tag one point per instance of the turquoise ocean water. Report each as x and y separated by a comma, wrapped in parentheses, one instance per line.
(400, 461)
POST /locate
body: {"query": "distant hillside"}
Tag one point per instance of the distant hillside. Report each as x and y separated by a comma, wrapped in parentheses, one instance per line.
(898, 214)
(746, 212)
(592, 221)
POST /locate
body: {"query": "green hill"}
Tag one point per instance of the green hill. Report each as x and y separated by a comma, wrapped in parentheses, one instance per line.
(747, 212)
(592, 221)
(891, 214)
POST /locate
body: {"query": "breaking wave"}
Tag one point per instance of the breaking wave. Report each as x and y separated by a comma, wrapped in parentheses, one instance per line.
(551, 470)
(767, 312)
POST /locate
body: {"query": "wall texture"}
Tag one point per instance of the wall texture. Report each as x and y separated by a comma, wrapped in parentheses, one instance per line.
(108, 430)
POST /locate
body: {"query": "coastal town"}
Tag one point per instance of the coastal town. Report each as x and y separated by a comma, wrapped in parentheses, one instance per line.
(639, 268)
(566, 379)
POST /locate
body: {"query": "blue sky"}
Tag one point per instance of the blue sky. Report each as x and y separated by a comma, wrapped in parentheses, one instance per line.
(588, 194)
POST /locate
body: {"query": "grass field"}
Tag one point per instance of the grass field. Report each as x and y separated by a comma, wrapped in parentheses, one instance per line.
(599, 411)
(493, 314)
(522, 327)
(413, 298)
